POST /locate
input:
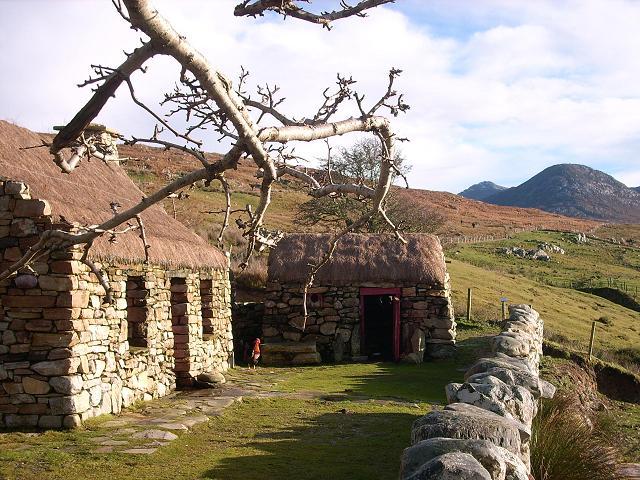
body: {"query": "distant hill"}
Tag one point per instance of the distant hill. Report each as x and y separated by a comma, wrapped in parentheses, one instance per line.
(481, 191)
(150, 168)
(576, 191)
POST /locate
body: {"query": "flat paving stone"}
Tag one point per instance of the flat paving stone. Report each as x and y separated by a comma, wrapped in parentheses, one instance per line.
(191, 421)
(114, 443)
(155, 434)
(140, 451)
(104, 450)
(98, 439)
(173, 426)
(223, 402)
(116, 423)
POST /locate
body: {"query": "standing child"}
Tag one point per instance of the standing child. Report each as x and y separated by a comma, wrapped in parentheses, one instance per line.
(255, 353)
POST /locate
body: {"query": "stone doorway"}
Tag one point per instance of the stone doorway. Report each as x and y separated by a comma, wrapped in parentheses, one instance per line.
(380, 323)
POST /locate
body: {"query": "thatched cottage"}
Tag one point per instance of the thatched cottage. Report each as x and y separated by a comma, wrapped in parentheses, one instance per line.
(377, 298)
(67, 355)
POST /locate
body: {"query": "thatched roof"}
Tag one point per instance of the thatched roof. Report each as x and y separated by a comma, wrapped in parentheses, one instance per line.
(84, 197)
(359, 258)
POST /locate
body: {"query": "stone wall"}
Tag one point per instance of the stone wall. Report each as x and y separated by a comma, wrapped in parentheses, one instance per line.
(247, 325)
(334, 318)
(65, 354)
(485, 430)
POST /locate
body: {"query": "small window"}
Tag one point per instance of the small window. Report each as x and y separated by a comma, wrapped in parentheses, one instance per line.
(179, 313)
(137, 328)
(315, 300)
(206, 299)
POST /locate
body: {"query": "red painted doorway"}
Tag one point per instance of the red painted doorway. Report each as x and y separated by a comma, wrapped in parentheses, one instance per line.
(380, 323)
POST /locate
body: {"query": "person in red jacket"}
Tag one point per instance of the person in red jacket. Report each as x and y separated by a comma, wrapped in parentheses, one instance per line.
(255, 353)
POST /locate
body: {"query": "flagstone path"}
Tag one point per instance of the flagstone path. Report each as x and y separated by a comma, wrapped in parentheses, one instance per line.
(158, 422)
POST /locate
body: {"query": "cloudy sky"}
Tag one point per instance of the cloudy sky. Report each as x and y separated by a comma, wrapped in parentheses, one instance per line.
(499, 89)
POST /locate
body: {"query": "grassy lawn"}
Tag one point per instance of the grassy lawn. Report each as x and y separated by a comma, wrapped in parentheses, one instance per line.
(348, 421)
(256, 439)
(565, 311)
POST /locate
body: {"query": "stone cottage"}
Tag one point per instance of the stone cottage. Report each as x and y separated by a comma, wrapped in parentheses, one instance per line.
(377, 298)
(66, 354)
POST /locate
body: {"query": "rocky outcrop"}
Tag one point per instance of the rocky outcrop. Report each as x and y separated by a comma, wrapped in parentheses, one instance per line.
(484, 432)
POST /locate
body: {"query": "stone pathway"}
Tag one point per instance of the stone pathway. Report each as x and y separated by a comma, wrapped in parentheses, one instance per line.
(158, 422)
(146, 428)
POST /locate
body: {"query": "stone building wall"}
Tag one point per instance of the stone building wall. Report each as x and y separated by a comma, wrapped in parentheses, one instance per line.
(427, 320)
(66, 355)
(485, 430)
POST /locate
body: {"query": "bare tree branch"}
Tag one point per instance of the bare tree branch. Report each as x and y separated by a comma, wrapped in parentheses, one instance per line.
(143, 237)
(76, 126)
(289, 8)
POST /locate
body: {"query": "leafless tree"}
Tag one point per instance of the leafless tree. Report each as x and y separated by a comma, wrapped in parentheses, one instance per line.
(208, 100)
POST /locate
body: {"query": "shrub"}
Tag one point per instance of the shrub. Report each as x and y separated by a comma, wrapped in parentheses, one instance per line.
(254, 276)
(567, 445)
(605, 320)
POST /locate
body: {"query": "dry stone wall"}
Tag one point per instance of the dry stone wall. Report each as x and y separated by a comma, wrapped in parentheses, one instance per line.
(333, 323)
(485, 430)
(66, 355)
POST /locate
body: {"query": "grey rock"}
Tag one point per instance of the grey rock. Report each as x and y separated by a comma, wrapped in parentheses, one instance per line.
(17, 421)
(173, 426)
(499, 361)
(71, 421)
(212, 377)
(539, 388)
(491, 393)
(67, 385)
(482, 450)
(512, 345)
(139, 451)
(155, 434)
(50, 421)
(547, 390)
(56, 367)
(70, 404)
(541, 255)
(440, 351)
(468, 422)
(412, 358)
(451, 466)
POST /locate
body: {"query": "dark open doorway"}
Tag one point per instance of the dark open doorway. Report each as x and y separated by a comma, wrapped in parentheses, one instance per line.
(380, 323)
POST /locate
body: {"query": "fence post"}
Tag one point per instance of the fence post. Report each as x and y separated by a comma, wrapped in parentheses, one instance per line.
(504, 310)
(591, 340)
(469, 305)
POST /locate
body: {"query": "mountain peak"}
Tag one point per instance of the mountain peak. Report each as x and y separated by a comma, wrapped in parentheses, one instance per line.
(482, 190)
(577, 191)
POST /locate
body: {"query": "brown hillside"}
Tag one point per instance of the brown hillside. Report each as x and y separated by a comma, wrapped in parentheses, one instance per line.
(464, 216)
(149, 166)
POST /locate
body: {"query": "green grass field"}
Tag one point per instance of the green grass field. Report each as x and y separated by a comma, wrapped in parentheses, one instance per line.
(565, 311)
(596, 261)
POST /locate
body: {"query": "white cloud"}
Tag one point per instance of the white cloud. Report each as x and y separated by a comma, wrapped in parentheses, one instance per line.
(498, 89)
